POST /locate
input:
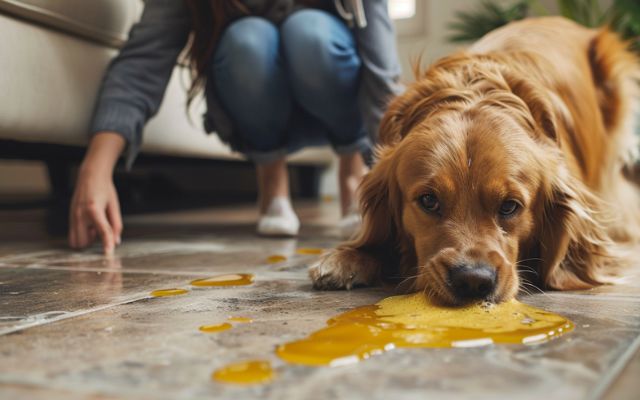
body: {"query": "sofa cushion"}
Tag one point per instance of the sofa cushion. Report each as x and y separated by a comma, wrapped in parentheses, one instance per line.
(104, 21)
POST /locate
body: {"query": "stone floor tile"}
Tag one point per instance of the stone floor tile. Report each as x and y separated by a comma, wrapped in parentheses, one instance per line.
(111, 340)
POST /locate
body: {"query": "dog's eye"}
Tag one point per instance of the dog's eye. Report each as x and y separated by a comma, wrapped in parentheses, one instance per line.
(508, 208)
(429, 203)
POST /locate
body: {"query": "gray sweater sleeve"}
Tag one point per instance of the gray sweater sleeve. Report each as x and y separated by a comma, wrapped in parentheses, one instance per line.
(135, 82)
(380, 80)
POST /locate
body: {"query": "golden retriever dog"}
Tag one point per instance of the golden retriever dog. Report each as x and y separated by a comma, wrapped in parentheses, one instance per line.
(500, 163)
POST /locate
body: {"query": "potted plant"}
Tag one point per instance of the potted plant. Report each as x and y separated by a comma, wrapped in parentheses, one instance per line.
(623, 16)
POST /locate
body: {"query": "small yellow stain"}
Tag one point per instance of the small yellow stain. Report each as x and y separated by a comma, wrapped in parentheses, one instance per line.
(225, 280)
(276, 258)
(243, 320)
(215, 328)
(309, 251)
(245, 373)
(168, 292)
(327, 198)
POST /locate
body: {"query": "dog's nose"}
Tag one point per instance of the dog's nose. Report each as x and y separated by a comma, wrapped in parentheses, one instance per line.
(472, 282)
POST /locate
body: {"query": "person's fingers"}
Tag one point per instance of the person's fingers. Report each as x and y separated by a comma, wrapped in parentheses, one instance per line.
(115, 218)
(104, 229)
(82, 229)
(73, 237)
(93, 234)
(73, 241)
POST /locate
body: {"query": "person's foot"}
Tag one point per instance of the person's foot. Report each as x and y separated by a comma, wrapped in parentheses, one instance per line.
(279, 219)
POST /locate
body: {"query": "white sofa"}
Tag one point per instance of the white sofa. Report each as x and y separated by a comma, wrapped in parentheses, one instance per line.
(53, 54)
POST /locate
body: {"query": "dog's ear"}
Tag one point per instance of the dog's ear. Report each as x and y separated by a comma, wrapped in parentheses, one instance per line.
(371, 256)
(377, 203)
(393, 126)
(575, 251)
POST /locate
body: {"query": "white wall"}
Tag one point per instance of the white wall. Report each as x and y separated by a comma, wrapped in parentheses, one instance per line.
(431, 43)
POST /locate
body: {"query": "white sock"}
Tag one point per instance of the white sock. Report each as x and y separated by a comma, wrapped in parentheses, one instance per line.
(279, 220)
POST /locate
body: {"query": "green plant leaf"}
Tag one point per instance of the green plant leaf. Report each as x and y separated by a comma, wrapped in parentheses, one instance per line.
(472, 25)
(623, 16)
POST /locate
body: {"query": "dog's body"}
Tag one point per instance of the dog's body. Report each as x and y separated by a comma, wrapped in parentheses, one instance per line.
(506, 157)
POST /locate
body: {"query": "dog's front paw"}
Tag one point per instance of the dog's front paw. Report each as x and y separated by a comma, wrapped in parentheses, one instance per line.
(344, 269)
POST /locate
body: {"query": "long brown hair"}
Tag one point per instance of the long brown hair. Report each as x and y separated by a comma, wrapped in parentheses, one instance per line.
(209, 18)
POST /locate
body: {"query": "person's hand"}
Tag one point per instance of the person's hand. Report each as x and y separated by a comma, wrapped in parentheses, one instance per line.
(95, 210)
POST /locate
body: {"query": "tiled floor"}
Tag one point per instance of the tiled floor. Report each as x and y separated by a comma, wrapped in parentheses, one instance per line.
(77, 325)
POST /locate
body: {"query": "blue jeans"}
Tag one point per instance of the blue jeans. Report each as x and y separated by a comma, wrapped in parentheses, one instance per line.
(284, 86)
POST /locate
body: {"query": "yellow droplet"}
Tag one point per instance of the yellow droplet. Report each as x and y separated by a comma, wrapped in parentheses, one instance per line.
(327, 198)
(245, 373)
(309, 251)
(277, 258)
(412, 321)
(168, 292)
(215, 328)
(240, 319)
(225, 280)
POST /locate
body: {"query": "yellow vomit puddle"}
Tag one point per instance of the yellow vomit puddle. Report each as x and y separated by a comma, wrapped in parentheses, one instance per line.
(215, 328)
(168, 292)
(245, 373)
(241, 320)
(412, 321)
(276, 258)
(225, 280)
(309, 251)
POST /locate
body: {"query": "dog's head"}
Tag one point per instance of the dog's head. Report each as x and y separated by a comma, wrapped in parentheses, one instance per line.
(470, 185)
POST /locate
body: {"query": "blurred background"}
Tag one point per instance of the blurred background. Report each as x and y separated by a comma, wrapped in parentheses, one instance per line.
(53, 54)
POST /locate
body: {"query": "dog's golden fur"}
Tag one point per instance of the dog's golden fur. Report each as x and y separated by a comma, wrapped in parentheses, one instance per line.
(539, 113)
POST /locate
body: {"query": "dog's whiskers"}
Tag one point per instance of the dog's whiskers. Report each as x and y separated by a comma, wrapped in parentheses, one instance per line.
(407, 279)
(527, 268)
(524, 285)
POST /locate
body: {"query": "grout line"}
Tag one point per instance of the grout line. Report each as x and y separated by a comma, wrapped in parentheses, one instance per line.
(259, 269)
(69, 315)
(118, 270)
(19, 257)
(268, 273)
(615, 371)
(31, 384)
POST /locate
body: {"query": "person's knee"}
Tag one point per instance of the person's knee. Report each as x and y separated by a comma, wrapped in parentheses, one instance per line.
(318, 47)
(247, 49)
(248, 36)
